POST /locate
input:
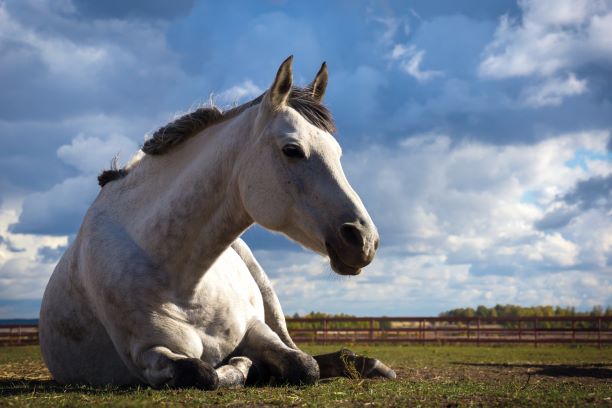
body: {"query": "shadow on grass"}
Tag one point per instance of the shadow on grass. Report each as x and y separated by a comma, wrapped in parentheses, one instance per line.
(24, 386)
(556, 370)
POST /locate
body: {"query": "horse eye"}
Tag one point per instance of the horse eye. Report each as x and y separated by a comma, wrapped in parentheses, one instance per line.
(293, 151)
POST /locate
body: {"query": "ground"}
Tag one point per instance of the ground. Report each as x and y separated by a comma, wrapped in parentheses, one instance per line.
(556, 376)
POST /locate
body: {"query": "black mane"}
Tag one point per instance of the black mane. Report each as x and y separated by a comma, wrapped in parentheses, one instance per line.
(186, 126)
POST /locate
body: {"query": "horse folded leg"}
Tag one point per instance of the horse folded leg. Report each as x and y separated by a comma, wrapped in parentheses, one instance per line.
(345, 363)
(160, 366)
(272, 358)
(193, 372)
(234, 374)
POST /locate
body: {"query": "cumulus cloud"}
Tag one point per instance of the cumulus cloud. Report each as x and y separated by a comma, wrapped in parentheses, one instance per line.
(552, 91)
(456, 230)
(551, 36)
(60, 210)
(476, 155)
(239, 93)
(23, 273)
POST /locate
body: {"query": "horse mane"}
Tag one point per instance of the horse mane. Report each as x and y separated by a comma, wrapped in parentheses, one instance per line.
(190, 124)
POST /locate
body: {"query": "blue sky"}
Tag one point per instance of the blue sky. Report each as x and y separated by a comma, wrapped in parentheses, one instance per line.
(477, 134)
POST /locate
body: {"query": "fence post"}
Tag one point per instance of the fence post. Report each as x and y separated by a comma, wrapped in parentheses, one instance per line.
(573, 330)
(599, 332)
(478, 332)
(18, 335)
(468, 330)
(324, 331)
(520, 331)
(535, 332)
(422, 332)
(371, 330)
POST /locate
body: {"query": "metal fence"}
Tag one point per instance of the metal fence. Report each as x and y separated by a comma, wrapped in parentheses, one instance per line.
(595, 330)
(453, 330)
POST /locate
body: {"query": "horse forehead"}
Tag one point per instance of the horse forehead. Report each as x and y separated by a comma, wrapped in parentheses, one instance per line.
(298, 125)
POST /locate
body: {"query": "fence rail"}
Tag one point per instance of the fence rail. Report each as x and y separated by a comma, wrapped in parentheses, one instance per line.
(596, 330)
(18, 334)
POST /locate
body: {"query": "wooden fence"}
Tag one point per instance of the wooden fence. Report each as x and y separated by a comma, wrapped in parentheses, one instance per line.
(453, 330)
(18, 334)
(417, 330)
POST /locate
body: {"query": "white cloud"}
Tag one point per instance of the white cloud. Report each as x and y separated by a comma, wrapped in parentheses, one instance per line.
(239, 93)
(456, 231)
(23, 274)
(552, 91)
(59, 210)
(409, 59)
(62, 57)
(90, 155)
(552, 36)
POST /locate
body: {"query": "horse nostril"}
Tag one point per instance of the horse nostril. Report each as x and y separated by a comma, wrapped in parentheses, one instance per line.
(376, 244)
(351, 235)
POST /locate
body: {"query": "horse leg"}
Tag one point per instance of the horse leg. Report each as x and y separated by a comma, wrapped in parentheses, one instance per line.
(160, 366)
(234, 374)
(273, 358)
(345, 363)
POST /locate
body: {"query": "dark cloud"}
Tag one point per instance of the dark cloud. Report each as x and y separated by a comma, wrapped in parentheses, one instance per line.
(49, 254)
(556, 219)
(595, 192)
(5, 242)
(58, 211)
(145, 9)
(19, 308)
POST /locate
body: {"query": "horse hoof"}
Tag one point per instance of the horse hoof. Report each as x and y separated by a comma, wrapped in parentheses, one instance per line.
(380, 370)
(194, 373)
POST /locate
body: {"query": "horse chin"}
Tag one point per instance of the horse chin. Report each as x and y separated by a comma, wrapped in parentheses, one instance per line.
(338, 266)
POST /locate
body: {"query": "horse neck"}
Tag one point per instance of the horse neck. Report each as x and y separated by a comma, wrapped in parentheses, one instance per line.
(196, 211)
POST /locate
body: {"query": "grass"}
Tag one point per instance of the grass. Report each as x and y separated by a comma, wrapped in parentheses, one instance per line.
(556, 376)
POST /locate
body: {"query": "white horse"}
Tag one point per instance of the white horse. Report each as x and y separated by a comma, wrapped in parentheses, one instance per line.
(158, 288)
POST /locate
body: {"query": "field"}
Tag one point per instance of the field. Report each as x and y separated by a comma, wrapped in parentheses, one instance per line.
(427, 376)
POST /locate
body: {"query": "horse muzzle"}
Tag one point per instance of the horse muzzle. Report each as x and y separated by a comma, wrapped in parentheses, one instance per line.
(352, 247)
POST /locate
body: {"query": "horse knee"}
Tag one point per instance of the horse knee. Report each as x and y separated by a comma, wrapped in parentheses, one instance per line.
(193, 372)
(302, 370)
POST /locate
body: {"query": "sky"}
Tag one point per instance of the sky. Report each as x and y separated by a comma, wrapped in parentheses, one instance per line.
(478, 135)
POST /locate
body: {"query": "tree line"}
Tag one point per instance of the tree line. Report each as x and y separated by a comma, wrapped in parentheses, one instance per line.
(480, 311)
(521, 311)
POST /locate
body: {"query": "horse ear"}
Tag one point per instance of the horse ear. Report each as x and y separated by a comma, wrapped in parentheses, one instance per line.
(319, 84)
(280, 89)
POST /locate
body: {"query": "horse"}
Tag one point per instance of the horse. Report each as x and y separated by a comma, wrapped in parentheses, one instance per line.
(158, 289)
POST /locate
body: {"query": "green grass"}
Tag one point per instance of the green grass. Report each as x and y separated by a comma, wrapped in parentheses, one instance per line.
(427, 376)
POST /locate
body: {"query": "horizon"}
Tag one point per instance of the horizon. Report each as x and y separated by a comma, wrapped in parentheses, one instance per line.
(479, 137)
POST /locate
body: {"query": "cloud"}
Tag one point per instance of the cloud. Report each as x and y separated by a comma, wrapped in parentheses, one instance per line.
(19, 308)
(90, 155)
(551, 36)
(553, 91)
(595, 192)
(455, 230)
(60, 210)
(410, 60)
(239, 93)
(156, 9)
(23, 273)
(472, 139)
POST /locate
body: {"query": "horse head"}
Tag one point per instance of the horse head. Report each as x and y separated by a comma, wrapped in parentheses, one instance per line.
(291, 179)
